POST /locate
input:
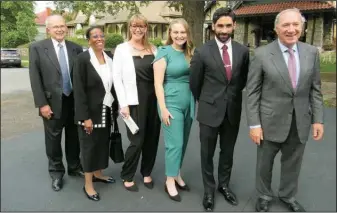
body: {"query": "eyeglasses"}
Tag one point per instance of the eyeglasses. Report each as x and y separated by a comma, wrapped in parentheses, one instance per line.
(56, 27)
(97, 36)
(141, 27)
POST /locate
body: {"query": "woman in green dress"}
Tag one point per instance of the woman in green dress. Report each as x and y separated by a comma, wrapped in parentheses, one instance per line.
(175, 101)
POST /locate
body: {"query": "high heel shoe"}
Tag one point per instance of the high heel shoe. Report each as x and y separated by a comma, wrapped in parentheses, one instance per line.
(176, 197)
(94, 197)
(184, 188)
(133, 188)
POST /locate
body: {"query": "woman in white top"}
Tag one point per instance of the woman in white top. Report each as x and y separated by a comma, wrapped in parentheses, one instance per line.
(134, 84)
(95, 103)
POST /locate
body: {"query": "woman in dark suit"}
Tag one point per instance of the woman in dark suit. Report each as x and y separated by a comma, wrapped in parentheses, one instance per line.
(95, 103)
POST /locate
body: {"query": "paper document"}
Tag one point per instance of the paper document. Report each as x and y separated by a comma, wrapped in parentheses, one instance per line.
(131, 124)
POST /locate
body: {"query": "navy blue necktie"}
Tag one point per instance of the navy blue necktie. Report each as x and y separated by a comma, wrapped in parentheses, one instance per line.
(65, 73)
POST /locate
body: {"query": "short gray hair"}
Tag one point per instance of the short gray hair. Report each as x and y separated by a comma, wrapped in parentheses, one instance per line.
(53, 16)
(277, 19)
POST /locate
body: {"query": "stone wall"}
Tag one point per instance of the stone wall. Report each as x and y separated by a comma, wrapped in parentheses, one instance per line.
(253, 24)
(316, 33)
(239, 33)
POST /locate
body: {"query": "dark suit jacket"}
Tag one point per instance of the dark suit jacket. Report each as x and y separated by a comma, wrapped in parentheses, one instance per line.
(89, 91)
(209, 84)
(45, 73)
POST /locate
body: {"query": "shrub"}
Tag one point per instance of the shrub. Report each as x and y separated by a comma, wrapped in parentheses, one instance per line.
(328, 47)
(156, 42)
(80, 41)
(112, 40)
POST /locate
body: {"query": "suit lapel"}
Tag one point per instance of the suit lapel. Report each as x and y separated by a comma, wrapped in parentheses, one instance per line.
(71, 55)
(281, 65)
(235, 59)
(51, 54)
(217, 57)
(302, 56)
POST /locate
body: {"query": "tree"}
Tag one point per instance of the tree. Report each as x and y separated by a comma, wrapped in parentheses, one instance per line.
(192, 11)
(17, 23)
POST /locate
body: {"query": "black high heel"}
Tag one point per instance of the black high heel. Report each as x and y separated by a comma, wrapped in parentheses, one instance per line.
(184, 188)
(176, 197)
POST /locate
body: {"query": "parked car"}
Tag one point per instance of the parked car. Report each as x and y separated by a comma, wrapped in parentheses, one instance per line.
(10, 57)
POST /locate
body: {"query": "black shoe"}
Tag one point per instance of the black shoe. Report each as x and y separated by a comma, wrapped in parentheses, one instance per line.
(57, 184)
(184, 188)
(94, 197)
(78, 173)
(208, 202)
(110, 180)
(149, 185)
(176, 197)
(294, 206)
(133, 188)
(262, 205)
(229, 195)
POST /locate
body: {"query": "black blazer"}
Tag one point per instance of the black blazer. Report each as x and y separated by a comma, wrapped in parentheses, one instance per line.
(209, 84)
(89, 92)
(45, 73)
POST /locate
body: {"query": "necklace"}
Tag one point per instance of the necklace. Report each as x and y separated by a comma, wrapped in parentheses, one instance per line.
(139, 51)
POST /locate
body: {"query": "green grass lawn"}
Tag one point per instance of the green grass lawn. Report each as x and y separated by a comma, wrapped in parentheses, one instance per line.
(325, 67)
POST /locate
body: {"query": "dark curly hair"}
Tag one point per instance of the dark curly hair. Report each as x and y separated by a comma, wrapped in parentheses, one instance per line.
(223, 11)
(87, 34)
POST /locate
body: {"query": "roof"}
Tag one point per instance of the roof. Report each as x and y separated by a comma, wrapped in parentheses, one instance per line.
(271, 8)
(42, 16)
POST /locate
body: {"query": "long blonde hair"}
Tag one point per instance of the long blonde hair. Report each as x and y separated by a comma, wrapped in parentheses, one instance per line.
(139, 18)
(188, 47)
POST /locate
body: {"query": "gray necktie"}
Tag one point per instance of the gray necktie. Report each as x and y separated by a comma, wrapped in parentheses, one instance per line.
(64, 70)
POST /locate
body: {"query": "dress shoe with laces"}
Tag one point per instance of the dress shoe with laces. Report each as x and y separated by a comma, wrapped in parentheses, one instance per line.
(229, 195)
(78, 173)
(262, 205)
(94, 197)
(208, 202)
(109, 180)
(57, 184)
(184, 188)
(176, 197)
(294, 206)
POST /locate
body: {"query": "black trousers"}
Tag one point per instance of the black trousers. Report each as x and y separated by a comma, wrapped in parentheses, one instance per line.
(53, 133)
(208, 138)
(291, 160)
(144, 142)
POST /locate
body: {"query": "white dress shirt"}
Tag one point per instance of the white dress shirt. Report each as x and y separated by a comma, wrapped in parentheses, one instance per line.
(229, 48)
(57, 48)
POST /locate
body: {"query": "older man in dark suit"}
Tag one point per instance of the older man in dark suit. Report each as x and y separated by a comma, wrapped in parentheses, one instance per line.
(50, 70)
(218, 75)
(283, 99)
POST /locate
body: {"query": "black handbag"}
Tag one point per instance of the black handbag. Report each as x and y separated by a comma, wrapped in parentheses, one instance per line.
(116, 149)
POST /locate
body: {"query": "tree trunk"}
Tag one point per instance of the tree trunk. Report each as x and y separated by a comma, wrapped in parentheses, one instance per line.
(193, 13)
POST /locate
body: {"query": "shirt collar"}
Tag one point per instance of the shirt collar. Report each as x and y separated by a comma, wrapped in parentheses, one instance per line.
(284, 48)
(220, 44)
(56, 43)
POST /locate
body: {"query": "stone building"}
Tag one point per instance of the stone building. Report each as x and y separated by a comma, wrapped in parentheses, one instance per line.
(158, 14)
(255, 21)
